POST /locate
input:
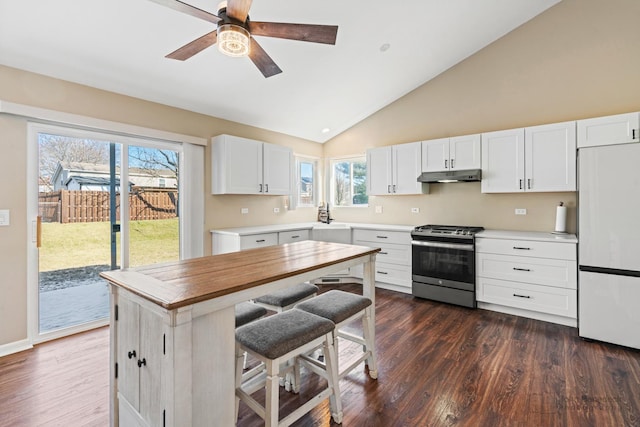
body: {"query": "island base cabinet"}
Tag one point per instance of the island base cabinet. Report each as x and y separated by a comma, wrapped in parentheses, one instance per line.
(162, 359)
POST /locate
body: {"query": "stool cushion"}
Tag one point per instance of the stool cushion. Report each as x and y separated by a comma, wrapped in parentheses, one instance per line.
(288, 296)
(335, 305)
(281, 333)
(247, 312)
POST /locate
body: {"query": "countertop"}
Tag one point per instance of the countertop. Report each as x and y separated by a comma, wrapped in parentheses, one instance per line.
(528, 235)
(244, 231)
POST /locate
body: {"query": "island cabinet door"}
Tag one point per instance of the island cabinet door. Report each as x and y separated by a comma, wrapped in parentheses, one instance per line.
(140, 350)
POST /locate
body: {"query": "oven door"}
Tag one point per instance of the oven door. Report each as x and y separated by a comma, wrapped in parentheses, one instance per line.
(444, 263)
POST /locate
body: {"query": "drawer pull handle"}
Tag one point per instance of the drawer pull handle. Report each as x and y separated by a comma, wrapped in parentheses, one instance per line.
(521, 296)
(381, 237)
(382, 272)
(260, 241)
(521, 248)
(521, 269)
(295, 237)
(383, 253)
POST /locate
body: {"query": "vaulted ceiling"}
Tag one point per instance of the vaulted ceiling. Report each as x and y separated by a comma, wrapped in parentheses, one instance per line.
(383, 51)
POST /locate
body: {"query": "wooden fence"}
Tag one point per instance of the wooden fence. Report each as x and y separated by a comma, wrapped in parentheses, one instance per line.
(67, 206)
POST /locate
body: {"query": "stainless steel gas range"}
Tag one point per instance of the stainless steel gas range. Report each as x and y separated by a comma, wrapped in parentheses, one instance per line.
(444, 263)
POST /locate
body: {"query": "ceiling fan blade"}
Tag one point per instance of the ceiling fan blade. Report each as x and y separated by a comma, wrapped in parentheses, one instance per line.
(196, 46)
(305, 32)
(262, 60)
(188, 9)
(238, 9)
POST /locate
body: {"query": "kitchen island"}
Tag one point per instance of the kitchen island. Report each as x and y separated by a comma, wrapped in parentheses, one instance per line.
(172, 327)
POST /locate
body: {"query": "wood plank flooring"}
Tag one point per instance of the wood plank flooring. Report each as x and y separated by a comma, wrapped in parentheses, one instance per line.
(439, 365)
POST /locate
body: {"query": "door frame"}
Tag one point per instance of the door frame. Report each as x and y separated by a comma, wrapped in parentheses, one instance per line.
(33, 129)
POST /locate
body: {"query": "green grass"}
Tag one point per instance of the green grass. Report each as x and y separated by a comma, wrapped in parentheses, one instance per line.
(81, 244)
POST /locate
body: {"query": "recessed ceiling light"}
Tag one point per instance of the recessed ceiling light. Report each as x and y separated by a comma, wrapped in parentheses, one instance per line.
(385, 47)
(325, 130)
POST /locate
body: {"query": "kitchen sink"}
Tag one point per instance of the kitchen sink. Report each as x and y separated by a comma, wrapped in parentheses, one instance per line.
(337, 232)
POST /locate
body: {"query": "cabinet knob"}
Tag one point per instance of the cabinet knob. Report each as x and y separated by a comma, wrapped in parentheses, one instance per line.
(131, 354)
(142, 363)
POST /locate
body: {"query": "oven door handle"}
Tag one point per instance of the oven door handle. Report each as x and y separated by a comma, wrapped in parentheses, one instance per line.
(457, 246)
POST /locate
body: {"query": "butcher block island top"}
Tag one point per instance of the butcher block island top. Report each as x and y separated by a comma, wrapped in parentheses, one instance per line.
(181, 283)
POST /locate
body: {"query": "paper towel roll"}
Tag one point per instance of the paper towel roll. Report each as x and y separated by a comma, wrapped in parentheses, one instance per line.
(561, 219)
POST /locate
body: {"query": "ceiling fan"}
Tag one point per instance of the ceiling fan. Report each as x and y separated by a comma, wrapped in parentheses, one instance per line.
(235, 33)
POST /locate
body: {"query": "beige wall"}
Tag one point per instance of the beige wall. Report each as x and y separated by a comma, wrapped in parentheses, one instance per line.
(577, 60)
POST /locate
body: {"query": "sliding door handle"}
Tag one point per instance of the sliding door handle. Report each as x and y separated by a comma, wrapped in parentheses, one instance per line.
(38, 231)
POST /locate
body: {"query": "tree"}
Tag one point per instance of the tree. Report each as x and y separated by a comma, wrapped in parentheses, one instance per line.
(55, 149)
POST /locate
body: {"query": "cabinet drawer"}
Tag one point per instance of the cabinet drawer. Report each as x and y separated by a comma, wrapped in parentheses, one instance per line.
(561, 302)
(541, 271)
(527, 248)
(378, 236)
(390, 253)
(292, 236)
(258, 240)
(387, 273)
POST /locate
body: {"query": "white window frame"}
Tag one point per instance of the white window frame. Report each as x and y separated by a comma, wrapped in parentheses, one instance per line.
(315, 185)
(330, 179)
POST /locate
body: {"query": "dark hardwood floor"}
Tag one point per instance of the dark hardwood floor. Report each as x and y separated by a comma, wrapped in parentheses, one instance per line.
(439, 365)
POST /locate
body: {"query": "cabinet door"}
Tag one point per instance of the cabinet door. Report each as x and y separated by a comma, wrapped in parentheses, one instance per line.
(277, 164)
(379, 178)
(128, 341)
(464, 152)
(406, 168)
(503, 161)
(236, 165)
(550, 157)
(435, 155)
(152, 351)
(609, 130)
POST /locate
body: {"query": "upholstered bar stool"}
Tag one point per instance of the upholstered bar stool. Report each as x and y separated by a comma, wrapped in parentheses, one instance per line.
(286, 299)
(247, 312)
(275, 340)
(342, 308)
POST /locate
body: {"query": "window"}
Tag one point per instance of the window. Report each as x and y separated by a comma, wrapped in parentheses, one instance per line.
(306, 182)
(348, 182)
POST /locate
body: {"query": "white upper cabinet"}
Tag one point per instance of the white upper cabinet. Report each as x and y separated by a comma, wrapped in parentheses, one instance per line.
(535, 159)
(450, 154)
(245, 166)
(550, 157)
(394, 170)
(609, 130)
(503, 161)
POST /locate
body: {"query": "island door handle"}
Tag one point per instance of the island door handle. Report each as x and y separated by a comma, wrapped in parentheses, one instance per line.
(142, 363)
(131, 354)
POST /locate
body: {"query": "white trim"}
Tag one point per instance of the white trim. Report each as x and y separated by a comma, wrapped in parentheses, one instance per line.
(192, 190)
(84, 122)
(15, 347)
(71, 330)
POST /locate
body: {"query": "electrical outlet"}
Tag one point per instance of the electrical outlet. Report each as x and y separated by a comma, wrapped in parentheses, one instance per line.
(521, 211)
(378, 209)
(4, 217)
(276, 210)
(244, 211)
(415, 210)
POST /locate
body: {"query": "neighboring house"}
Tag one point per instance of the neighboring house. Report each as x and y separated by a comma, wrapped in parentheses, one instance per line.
(95, 177)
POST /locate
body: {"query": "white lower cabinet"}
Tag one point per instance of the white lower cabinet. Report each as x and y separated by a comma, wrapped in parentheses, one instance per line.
(139, 359)
(393, 262)
(223, 242)
(293, 236)
(530, 274)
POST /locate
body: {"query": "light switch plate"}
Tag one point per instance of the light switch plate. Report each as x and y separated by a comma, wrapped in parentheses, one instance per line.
(276, 210)
(521, 211)
(244, 211)
(378, 209)
(415, 210)
(4, 217)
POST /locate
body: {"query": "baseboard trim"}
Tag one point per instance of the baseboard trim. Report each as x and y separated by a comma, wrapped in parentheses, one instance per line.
(15, 347)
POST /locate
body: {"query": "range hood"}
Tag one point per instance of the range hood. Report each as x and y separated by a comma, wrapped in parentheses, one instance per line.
(451, 176)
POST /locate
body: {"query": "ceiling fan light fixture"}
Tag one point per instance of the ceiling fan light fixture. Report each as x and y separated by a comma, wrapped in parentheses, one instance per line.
(233, 40)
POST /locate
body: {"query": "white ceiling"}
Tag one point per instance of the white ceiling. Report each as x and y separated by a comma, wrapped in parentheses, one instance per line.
(119, 45)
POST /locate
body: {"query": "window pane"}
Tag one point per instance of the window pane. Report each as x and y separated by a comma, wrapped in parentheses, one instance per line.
(306, 196)
(360, 183)
(342, 183)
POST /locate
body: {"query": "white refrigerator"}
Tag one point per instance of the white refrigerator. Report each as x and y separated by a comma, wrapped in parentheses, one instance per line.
(609, 244)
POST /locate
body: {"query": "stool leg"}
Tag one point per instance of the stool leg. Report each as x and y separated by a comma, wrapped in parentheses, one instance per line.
(331, 360)
(240, 358)
(272, 389)
(367, 329)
